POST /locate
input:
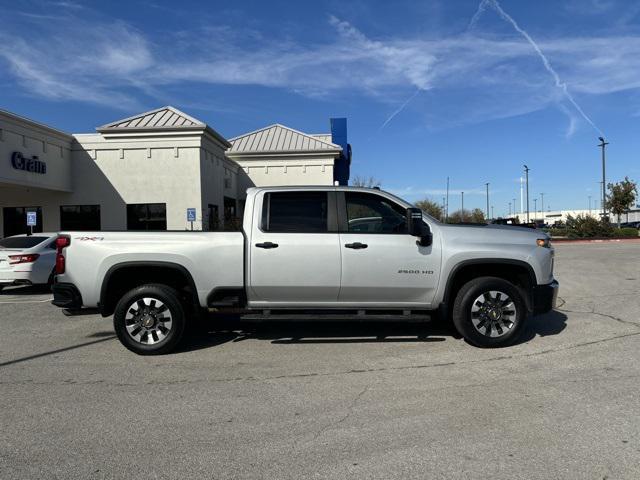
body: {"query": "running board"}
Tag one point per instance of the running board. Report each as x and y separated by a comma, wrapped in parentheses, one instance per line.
(297, 317)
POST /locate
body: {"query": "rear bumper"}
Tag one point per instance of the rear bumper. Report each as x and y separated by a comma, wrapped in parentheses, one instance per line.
(66, 295)
(545, 297)
(15, 278)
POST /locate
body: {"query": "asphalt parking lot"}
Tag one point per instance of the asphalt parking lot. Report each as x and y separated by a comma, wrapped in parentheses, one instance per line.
(373, 401)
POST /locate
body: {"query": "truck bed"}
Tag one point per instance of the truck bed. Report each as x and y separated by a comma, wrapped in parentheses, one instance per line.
(214, 259)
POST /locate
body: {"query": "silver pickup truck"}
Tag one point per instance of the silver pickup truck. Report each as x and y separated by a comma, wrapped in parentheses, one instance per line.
(319, 252)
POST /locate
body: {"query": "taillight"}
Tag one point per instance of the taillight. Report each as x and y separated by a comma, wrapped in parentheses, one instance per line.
(61, 243)
(15, 259)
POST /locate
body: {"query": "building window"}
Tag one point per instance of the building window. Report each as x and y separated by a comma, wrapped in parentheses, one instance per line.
(147, 216)
(80, 217)
(299, 212)
(15, 220)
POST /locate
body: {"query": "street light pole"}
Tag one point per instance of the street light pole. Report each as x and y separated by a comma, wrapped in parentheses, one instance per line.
(535, 209)
(542, 205)
(509, 209)
(446, 208)
(526, 172)
(487, 185)
(602, 145)
(492, 214)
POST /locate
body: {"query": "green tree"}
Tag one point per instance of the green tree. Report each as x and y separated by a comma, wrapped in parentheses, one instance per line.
(477, 216)
(621, 197)
(370, 182)
(430, 207)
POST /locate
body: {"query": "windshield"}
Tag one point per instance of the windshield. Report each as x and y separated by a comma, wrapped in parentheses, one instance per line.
(21, 242)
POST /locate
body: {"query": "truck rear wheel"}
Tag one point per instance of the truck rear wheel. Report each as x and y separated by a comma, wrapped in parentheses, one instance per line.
(489, 312)
(150, 319)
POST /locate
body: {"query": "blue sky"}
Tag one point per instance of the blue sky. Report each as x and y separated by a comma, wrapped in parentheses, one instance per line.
(466, 89)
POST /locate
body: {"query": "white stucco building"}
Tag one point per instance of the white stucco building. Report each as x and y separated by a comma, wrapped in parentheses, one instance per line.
(145, 171)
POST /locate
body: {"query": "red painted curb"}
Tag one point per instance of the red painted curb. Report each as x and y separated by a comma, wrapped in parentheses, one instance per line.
(596, 240)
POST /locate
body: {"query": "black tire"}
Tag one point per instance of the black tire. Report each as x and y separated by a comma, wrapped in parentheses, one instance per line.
(491, 317)
(126, 328)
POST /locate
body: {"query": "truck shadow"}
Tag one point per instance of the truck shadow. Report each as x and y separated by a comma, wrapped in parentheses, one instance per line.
(213, 332)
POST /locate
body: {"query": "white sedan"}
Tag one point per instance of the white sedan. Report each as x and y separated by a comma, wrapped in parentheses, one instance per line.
(27, 259)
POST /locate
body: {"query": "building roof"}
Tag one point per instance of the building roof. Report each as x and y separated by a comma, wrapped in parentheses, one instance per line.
(164, 117)
(278, 138)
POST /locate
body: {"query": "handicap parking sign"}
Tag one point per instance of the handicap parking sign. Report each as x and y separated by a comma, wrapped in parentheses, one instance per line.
(191, 214)
(31, 219)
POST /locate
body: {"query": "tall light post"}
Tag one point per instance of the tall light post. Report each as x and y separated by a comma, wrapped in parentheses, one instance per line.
(462, 206)
(492, 214)
(602, 145)
(446, 208)
(542, 205)
(535, 209)
(442, 214)
(509, 208)
(526, 172)
(487, 185)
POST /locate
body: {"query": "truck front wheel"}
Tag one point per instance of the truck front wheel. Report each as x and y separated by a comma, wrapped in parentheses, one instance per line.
(150, 319)
(489, 312)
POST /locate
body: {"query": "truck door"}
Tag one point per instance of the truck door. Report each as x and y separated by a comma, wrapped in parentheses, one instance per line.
(382, 265)
(294, 249)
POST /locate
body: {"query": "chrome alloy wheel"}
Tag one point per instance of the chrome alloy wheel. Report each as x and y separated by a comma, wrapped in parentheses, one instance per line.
(493, 314)
(148, 321)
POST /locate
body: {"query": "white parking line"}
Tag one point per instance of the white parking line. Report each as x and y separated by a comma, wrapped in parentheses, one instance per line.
(28, 301)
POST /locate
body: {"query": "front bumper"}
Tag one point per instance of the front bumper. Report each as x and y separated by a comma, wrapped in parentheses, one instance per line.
(545, 297)
(66, 295)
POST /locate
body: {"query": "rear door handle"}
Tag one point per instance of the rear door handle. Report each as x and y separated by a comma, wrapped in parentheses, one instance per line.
(356, 245)
(267, 245)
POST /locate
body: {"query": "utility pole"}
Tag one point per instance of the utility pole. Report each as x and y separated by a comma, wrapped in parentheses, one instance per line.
(487, 185)
(603, 144)
(526, 172)
(446, 208)
(542, 205)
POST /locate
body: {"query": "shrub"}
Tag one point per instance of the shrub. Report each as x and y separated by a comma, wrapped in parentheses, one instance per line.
(588, 227)
(626, 232)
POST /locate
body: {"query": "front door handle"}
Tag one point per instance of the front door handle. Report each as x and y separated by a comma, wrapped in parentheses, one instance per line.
(356, 245)
(267, 245)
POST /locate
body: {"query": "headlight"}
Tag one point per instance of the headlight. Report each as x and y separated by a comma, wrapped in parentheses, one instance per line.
(544, 242)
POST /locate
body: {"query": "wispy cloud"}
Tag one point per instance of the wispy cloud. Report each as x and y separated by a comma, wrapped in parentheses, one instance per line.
(107, 61)
(545, 61)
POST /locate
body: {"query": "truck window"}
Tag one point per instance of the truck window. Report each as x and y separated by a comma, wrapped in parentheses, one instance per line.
(299, 212)
(369, 213)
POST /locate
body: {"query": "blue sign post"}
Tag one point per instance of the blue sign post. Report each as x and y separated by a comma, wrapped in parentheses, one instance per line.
(32, 221)
(191, 216)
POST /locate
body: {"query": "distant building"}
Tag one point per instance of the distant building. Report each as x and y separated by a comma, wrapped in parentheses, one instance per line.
(145, 171)
(550, 217)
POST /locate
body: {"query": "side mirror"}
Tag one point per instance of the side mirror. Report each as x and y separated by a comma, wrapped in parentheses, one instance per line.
(417, 228)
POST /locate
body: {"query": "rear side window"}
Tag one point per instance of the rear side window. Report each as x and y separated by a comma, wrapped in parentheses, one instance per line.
(295, 212)
(22, 242)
